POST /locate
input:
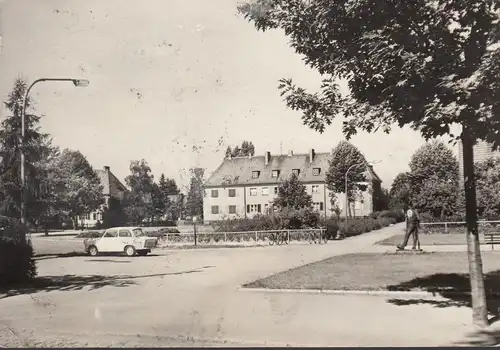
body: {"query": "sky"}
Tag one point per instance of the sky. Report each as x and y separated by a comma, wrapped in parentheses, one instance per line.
(173, 82)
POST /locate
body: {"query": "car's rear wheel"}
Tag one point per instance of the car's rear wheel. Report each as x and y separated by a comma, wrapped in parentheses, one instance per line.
(129, 250)
(93, 251)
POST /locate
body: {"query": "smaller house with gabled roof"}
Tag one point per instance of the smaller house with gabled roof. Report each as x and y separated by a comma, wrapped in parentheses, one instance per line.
(112, 188)
(242, 187)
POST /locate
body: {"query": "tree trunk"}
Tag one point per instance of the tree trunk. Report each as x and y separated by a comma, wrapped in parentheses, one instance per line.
(479, 307)
(75, 222)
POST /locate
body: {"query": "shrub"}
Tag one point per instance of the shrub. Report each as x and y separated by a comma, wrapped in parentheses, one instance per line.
(16, 261)
(397, 215)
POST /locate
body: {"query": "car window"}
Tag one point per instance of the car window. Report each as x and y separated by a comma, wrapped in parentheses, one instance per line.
(125, 233)
(111, 234)
(138, 232)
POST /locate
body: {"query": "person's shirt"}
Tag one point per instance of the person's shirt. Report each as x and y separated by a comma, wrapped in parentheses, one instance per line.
(413, 217)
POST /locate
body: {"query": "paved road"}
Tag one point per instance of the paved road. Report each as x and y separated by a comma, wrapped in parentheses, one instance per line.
(178, 298)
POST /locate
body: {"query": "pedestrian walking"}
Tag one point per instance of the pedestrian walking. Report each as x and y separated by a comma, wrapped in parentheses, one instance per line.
(413, 225)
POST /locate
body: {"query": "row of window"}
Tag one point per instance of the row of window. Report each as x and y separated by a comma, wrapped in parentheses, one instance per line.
(94, 216)
(253, 191)
(276, 173)
(257, 208)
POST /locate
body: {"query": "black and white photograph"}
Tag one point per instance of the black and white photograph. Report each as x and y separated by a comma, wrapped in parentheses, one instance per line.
(249, 173)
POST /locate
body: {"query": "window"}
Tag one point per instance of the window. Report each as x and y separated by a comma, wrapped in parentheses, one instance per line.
(215, 193)
(232, 192)
(315, 188)
(215, 209)
(276, 173)
(253, 191)
(94, 216)
(87, 216)
(266, 208)
(232, 209)
(296, 172)
(255, 174)
(124, 233)
(318, 206)
(253, 208)
(316, 171)
(276, 190)
(265, 191)
(111, 234)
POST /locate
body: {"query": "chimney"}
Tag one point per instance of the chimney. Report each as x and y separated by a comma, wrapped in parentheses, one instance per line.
(268, 158)
(290, 153)
(311, 155)
(106, 168)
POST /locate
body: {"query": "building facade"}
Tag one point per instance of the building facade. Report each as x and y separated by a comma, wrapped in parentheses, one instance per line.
(112, 188)
(242, 187)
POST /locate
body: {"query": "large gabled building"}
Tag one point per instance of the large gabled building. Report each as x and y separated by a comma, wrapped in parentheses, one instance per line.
(245, 186)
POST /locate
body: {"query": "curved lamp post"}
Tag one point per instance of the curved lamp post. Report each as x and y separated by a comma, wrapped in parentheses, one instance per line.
(366, 164)
(77, 83)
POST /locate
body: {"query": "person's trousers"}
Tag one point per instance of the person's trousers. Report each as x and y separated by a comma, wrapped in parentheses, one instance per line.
(412, 230)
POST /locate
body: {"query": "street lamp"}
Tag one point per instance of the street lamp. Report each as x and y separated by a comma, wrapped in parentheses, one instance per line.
(77, 83)
(195, 219)
(366, 164)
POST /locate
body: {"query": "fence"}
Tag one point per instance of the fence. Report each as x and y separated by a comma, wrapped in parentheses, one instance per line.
(458, 227)
(246, 237)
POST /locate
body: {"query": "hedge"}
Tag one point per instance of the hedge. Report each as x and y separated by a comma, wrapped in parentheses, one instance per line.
(16, 262)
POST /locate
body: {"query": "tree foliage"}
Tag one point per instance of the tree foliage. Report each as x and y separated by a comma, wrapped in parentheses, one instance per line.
(434, 179)
(194, 202)
(76, 186)
(140, 201)
(345, 156)
(426, 64)
(488, 187)
(400, 191)
(247, 148)
(292, 194)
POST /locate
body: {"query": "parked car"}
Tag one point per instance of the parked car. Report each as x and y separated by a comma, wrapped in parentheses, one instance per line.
(128, 240)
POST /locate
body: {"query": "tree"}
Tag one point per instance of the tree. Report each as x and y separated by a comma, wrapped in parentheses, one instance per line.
(381, 200)
(194, 202)
(247, 149)
(434, 179)
(38, 153)
(488, 187)
(113, 214)
(400, 192)
(167, 185)
(421, 63)
(76, 186)
(345, 156)
(292, 194)
(138, 202)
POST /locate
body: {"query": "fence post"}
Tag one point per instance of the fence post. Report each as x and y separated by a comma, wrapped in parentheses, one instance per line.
(288, 236)
(255, 236)
(445, 227)
(167, 239)
(225, 237)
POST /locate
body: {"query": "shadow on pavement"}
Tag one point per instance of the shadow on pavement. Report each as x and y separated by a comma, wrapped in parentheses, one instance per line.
(76, 282)
(55, 256)
(79, 254)
(455, 288)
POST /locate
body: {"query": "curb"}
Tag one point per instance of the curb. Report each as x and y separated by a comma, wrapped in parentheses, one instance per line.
(387, 293)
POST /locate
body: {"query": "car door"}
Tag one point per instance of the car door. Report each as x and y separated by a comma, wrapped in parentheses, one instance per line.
(125, 237)
(108, 242)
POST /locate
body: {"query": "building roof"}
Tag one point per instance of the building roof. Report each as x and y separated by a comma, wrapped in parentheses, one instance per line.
(111, 185)
(237, 171)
